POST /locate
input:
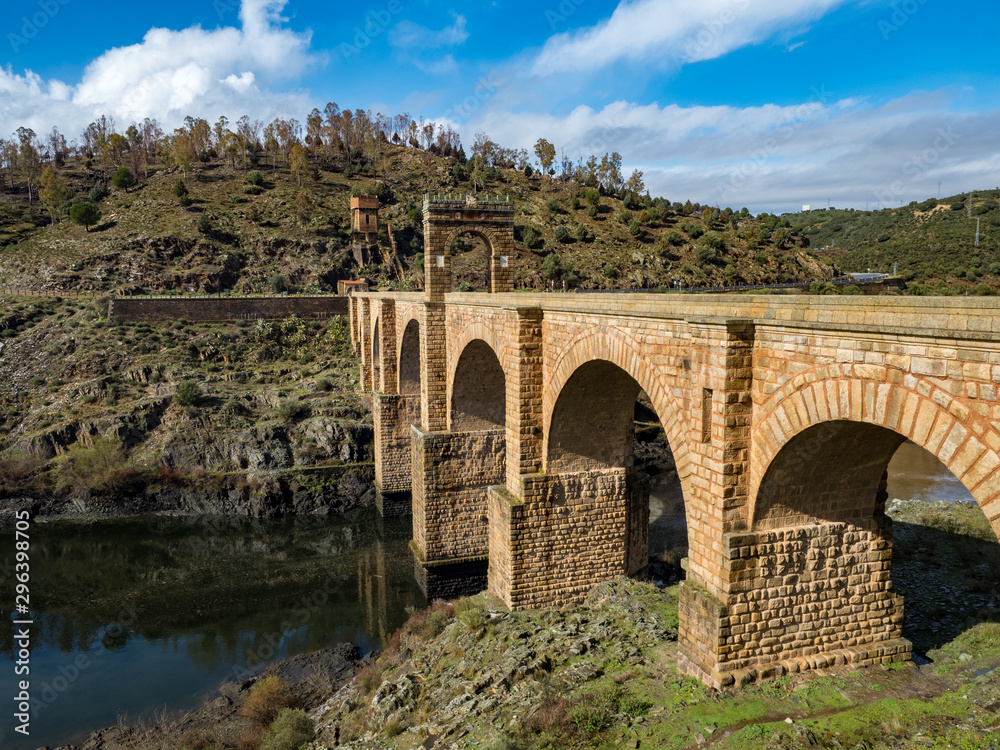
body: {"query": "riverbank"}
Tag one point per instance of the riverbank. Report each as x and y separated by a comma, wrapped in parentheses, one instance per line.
(324, 491)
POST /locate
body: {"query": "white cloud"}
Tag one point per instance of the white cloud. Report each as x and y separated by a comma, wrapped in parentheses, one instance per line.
(421, 46)
(407, 35)
(674, 32)
(171, 74)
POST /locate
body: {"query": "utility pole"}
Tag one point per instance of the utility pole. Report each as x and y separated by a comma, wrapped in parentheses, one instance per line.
(978, 219)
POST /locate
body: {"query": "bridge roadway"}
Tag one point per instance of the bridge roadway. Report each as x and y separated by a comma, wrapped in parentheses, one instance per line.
(510, 418)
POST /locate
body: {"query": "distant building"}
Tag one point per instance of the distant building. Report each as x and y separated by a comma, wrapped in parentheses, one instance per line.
(350, 287)
(868, 276)
(364, 215)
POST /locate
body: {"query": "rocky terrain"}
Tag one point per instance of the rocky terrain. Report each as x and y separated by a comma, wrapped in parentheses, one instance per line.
(255, 419)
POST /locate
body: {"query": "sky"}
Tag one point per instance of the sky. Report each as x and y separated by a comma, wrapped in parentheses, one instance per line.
(768, 104)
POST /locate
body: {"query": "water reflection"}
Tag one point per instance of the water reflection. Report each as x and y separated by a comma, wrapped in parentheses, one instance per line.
(916, 474)
(161, 610)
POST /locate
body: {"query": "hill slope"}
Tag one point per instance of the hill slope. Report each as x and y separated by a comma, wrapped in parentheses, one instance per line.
(233, 235)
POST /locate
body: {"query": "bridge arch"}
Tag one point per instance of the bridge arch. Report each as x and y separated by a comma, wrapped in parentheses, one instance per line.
(477, 392)
(409, 359)
(625, 353)
(823, 442)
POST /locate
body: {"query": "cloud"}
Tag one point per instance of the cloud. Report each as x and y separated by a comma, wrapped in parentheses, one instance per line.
(409, 36)
(776, 158)
(171, 74)
(674, 32)
(422, 46)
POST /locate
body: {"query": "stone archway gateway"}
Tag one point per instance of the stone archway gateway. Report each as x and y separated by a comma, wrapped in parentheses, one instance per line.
(490, 217)
(781, 414)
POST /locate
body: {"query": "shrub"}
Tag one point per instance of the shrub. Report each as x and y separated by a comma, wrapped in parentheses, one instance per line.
(188, 393)
(255, 177)
(98, 193)
(957, 206)
(673, 238)
(554, 207)
(252, 190)
(291, 730)
(551, 267)
(852, 289)
(985, 290)
(267, 699)
(471, 612)
(180, 189)
(278, 283)
(705, 254)
(713, 240)
(291, 409)
(185, 200)
(694, 231)
(123, 178)
(561, 234)
(634, 228)
(104, 468)
(204, 224)
(531, 239)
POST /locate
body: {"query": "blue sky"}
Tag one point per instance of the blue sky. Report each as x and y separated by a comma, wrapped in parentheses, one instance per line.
(769, 105)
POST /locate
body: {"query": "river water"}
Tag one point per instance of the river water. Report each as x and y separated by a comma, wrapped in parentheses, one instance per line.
(138, 615)
(134, 616)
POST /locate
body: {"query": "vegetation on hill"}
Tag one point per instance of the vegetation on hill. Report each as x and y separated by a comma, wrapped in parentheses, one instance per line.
(214, 209)
(932, 244)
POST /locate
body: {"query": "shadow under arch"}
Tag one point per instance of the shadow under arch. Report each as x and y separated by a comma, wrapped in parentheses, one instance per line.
(409, 359)
(478, 390)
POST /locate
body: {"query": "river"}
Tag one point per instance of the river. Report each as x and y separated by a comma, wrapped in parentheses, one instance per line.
(138, 615)
(134, 616)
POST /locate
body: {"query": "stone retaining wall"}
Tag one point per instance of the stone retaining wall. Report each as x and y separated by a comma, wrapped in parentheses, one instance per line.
(217, 309)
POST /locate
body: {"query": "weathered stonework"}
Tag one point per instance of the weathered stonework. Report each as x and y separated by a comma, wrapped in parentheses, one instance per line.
(782, 414)
(448, 216)
(451, 471)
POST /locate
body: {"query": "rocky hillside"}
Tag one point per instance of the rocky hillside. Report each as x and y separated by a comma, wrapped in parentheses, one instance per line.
(251, 418)
(218, 228)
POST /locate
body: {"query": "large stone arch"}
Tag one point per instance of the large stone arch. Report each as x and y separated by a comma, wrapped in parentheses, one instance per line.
(477, 394)
(829, 419)
(625, 352)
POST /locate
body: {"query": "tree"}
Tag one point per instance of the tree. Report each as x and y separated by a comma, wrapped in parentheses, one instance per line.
(546, 154)
(298, 161)
(635, 185)
(54, 191)
(28, 161)
(123, 179)
(86, 214)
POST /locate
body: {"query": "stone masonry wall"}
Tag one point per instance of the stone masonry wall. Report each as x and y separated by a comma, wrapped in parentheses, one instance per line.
(451, 471)
(798, 598)
(393, 416)
(566, 534)
(217, 309)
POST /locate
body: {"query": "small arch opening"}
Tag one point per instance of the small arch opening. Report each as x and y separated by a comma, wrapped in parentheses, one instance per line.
(479, 396)
(409, 360)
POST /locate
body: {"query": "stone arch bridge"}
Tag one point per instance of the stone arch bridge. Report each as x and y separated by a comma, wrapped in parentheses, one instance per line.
(510, 418)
